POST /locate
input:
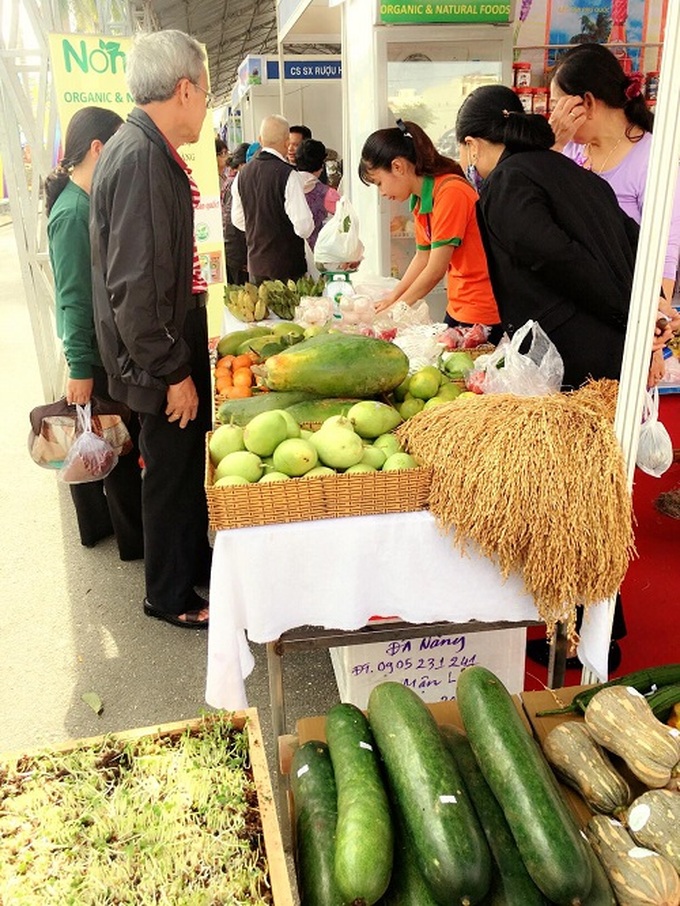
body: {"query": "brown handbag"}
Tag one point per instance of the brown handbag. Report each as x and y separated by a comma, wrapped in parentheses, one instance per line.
(54, 428)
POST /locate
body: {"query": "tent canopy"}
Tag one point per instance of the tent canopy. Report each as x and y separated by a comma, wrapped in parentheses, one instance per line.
(230, 30)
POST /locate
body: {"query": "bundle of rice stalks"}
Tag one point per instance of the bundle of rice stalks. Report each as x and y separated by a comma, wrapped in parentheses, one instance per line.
(538, 484)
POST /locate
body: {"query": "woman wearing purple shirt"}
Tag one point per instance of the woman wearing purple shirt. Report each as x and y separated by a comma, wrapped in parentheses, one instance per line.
(601, 121)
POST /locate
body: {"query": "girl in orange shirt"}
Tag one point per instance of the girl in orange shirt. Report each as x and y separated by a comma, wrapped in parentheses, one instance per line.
(404, 164)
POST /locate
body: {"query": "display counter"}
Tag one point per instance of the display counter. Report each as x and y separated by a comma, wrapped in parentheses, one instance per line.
(338, 573)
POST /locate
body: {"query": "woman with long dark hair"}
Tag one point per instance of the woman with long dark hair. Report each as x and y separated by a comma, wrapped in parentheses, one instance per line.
(114, 505)
(404, 164)
(602, 121)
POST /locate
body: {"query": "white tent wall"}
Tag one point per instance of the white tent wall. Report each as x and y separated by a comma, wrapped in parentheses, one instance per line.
(28, 137)
(316, 103)
(654, 230)
(27, 131)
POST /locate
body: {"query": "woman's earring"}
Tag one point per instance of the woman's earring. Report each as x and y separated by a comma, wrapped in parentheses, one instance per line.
(473, 176)
(471, 173)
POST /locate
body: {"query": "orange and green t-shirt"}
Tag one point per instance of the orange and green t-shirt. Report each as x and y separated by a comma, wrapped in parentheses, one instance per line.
(445, 215)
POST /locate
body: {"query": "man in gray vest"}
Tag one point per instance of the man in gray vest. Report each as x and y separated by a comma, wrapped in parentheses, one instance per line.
(269, 205)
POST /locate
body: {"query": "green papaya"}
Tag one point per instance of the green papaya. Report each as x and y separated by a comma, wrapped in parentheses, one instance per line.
(338, 364)
(230, 342)
(255, 344)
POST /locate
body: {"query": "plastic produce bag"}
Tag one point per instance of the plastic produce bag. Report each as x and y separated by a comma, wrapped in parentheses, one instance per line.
(338, 246)
(91, 457)
(655, 448)
(537, 372)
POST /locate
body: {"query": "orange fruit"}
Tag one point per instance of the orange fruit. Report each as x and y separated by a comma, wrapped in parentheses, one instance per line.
(243, 377)
(226, 361)
(222, 367)
(242, 361)
(238, 393)
(223, 382)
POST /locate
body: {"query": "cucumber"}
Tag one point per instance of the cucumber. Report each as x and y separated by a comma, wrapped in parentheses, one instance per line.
(240, 412)
(312, 412)
(549, 841)
(663, 700)
(515, 886)
(450, 847)
(407, 885)
(364, 839)
(314, 795)
(644, 681)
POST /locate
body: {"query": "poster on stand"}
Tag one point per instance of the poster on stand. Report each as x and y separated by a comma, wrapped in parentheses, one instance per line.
(544, 27)
(89, 70)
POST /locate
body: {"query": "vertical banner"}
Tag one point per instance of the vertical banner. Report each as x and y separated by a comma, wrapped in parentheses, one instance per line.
(89, 70)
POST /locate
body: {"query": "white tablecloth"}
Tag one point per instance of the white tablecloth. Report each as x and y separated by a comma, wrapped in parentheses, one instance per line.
(337, 573)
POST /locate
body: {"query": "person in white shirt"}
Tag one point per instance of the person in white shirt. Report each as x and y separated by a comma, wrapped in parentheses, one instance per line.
(269, 205)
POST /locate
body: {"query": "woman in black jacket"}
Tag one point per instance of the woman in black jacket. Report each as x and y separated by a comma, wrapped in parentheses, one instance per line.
(559, 247)
(560, 250)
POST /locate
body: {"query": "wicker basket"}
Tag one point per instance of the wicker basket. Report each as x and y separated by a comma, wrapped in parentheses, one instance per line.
(319, 497)
(484, 349)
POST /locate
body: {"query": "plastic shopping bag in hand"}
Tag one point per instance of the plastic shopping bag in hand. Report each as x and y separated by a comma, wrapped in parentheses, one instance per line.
(655, 448)
(338, 246)
(91, 457)
(536, 372)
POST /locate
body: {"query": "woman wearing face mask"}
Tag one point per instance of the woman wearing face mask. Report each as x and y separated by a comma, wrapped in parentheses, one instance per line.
(560, 249)
(403, 164)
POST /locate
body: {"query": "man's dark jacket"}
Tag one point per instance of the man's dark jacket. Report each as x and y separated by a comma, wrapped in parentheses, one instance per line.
(141, 230)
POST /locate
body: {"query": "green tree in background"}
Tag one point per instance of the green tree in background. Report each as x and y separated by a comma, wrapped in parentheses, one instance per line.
(593, 31)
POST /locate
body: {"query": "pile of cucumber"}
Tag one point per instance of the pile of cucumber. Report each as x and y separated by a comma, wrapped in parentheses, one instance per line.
(396, 810)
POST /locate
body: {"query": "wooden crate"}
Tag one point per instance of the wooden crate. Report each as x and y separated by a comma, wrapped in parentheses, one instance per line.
(247, 720)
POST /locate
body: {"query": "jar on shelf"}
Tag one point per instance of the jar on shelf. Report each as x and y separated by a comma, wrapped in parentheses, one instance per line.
(521, 74)
(540, 102)
(652, 85)
(526, 96)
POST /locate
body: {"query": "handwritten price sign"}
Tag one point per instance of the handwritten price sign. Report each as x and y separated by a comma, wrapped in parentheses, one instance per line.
(431, 665)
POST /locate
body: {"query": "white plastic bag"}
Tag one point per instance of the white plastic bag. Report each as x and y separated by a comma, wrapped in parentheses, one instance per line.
(655, 448)
(535, 373)
(338, 245)
(91, 457)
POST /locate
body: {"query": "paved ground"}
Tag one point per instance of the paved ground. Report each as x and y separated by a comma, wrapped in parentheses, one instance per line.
(73, 620)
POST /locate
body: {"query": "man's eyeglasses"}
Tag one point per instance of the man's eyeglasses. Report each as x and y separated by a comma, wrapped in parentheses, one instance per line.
(209, 96)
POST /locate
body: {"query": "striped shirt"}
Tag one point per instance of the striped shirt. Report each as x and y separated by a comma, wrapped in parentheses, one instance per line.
(198, 283)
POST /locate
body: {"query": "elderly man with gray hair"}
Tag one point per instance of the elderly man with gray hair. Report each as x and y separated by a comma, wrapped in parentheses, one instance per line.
(269, 205)
(150, 315)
